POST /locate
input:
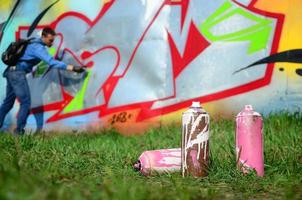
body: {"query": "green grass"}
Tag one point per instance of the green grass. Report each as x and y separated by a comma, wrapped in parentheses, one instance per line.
(99, 166)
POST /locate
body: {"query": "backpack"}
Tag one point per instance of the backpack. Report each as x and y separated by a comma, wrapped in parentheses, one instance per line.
(14, 52)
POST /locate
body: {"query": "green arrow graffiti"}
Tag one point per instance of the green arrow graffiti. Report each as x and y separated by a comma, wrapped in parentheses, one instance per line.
(257, 34)
(77, 102)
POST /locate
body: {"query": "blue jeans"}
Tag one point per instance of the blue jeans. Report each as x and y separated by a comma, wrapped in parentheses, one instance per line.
(17, 86)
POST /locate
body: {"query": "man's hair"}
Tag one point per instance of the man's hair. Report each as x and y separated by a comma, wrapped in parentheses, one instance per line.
(47, 30)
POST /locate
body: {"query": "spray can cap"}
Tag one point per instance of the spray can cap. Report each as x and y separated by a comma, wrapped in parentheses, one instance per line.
(248, 107)
(195, 104)
(248, 110)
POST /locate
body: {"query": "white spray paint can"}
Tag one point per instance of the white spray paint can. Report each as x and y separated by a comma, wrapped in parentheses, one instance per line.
(195, 141)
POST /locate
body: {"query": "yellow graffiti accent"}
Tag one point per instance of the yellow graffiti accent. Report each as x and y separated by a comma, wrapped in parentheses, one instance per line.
(172, 117)
(106, 1)
(57, 10)
(291, 36)
(6, 5)
(216, 109)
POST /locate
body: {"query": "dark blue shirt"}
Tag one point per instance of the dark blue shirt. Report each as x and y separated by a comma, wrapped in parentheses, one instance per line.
(34, 53)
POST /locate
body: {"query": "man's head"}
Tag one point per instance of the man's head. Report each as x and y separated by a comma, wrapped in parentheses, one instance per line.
(48, 36)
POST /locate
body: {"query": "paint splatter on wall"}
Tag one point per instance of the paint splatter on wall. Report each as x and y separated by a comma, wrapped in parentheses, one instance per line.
(148, 60)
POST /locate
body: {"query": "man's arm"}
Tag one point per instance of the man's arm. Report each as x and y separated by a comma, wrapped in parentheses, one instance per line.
(41, 53)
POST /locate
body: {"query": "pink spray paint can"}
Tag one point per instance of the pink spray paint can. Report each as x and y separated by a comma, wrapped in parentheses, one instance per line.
(159, 161)
(249, 141)
(195, 141)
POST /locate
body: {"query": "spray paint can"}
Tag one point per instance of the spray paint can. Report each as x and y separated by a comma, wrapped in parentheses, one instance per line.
(159, 161)
(195, 141)
(249, 141)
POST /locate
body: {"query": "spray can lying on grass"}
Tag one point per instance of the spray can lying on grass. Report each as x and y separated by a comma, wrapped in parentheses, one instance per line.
(249, 141)
(159, 161)
(195, 141)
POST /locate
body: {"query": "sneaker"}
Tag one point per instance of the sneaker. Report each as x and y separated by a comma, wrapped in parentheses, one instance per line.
(18, 132)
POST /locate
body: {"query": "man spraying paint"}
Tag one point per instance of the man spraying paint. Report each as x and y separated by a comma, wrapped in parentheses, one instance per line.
(17, 86)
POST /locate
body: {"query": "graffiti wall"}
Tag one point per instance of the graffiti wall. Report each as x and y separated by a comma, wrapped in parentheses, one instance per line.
(149, 59)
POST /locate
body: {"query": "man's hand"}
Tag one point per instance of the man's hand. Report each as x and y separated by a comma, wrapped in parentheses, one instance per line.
(78, 69)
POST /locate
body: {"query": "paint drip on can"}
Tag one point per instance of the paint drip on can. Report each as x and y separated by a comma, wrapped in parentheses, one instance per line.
(195, 141)
(249, 141)
(159, 161)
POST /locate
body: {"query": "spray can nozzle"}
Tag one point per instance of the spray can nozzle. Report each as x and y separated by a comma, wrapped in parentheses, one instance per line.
(137, 165)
